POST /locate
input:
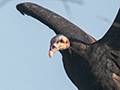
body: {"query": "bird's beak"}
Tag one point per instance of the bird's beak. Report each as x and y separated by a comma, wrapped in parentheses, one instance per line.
(51, 53)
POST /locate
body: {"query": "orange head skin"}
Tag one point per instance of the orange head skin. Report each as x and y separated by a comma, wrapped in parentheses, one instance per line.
(58, 42)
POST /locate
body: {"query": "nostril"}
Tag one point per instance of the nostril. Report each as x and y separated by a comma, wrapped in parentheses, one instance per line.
(53, 47)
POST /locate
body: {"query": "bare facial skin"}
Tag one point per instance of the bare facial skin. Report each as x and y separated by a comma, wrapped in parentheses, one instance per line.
(58, 42)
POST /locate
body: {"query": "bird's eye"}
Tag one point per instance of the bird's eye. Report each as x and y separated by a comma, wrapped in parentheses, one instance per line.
(61, 41)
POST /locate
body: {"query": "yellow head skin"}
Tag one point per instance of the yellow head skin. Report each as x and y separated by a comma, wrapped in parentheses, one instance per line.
(59, 42)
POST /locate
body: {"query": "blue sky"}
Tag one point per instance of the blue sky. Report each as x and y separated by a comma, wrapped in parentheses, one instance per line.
(24, 43)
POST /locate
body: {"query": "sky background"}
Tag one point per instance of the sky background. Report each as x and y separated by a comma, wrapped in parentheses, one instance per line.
(24, 42)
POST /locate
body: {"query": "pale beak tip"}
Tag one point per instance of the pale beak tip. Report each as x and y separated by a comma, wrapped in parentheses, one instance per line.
(51, 53)
(50, 57)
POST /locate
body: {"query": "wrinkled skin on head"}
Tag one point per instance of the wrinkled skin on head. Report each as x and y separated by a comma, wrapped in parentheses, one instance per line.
(58, 43)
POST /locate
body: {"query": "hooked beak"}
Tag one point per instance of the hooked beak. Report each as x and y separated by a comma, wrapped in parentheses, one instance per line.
(52, 52)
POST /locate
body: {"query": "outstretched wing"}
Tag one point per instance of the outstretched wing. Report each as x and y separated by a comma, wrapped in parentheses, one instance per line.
(112, 40)
(110, 55)
(112, 37)
(59, 24)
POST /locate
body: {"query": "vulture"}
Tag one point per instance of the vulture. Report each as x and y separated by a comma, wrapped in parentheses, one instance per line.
(89, 63)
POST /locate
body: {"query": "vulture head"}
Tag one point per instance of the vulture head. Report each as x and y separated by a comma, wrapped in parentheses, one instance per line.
(58, 43)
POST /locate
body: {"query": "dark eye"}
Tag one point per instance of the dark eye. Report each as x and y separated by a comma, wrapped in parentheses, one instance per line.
(61, 41)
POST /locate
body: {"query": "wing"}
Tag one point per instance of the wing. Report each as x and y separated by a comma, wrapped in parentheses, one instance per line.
(108, 55)
(112, 37)
(59, 24)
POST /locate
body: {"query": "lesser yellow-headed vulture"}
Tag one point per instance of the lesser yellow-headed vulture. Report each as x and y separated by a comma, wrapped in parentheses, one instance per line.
(90, 64)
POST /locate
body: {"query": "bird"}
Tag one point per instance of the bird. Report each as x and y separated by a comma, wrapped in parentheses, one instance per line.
(89, 63)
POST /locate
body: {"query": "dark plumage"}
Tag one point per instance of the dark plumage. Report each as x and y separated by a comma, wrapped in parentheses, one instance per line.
(90, 64)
